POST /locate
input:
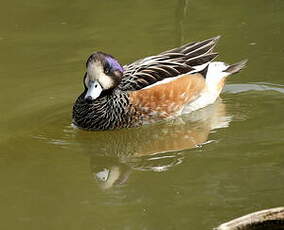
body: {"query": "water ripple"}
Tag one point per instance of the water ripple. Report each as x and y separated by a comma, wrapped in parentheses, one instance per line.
(257, 86)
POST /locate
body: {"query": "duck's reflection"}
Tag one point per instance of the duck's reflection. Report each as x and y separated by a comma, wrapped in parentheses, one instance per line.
(115, 154)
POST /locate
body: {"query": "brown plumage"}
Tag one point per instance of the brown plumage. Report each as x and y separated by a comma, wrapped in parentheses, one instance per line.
(165, 100)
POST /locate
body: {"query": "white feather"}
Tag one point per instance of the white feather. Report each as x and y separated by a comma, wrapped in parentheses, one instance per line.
(164, 81)
(215, 74)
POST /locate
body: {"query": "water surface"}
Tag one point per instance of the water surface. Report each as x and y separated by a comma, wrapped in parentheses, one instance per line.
(192, 173)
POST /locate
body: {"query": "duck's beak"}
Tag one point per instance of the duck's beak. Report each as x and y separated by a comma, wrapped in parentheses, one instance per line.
(94, 91)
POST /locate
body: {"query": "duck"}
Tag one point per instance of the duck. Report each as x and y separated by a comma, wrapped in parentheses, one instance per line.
(151, 89)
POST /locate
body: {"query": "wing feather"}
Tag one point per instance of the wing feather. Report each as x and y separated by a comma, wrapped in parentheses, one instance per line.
(171, 63)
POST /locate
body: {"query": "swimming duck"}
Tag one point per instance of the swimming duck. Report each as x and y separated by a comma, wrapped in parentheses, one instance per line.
(177, 81)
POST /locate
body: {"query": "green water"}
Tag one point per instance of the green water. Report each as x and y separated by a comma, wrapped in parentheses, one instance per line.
(192, 173)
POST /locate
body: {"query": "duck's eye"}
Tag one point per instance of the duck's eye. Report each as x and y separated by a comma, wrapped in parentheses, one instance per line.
(106, 69)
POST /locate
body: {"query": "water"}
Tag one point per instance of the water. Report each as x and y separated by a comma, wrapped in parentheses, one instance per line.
(192, 173)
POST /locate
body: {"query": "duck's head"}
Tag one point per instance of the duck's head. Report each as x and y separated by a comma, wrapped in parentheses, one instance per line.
(103, 74)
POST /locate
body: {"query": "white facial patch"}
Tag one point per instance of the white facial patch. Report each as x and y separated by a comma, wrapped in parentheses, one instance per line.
(95, 71)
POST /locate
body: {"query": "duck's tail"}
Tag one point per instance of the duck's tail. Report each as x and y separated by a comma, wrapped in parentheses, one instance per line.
(219, 70)
(237, 67)
(215, 76)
